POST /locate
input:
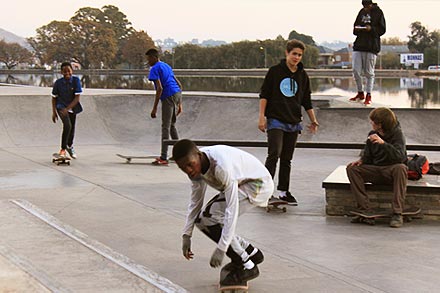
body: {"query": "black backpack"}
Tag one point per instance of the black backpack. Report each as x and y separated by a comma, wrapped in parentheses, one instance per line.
(434, 168)
(417, 166)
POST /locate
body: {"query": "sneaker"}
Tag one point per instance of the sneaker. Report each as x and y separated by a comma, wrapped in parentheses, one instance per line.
(289, 198)
(71, 152)
(396, 221)
(359, 97)
(240, 276)
(62, 153)
(368, 100)
(160, 161)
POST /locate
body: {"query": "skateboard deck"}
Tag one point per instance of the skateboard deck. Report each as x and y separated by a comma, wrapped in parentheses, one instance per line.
(370, 218)
(276, 205)
(129, 158)
(239, 288)
(59, 160)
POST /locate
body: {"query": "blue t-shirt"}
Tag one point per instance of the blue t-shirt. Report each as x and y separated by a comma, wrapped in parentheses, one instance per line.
(163, 72)
(65, 90)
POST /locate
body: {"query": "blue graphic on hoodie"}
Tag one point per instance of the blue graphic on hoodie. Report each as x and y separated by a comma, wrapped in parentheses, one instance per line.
(288, 87)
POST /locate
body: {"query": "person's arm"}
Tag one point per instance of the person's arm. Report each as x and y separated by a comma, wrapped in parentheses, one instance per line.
(178, 82)
(262, 124)
(194, 208)
(159, 90)
(313, 126)
(54, 110)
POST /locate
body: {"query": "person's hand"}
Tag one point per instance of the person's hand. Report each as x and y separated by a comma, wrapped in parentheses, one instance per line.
(374, 138)
(313, 127)
(217, 258)
(64, 112)
(355, 163)
(186, 247)
(368, 27)
(153, 112)
(262, 124)
(179, 109)
(54, 117)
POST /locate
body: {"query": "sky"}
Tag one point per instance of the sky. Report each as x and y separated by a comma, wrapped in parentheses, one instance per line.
(229, 20)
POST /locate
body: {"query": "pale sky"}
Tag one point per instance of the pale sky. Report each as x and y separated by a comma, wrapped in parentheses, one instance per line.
(229, 20)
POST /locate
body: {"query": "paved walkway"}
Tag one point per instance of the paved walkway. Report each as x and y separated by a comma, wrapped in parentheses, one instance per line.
(137, 210)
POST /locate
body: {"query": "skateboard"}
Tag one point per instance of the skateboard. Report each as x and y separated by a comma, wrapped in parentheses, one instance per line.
(59, 160)
(129, 158)
(370, 219)
(276, 205)
(239, 288)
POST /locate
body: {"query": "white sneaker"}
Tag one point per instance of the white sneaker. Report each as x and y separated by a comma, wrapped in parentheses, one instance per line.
(71, 152)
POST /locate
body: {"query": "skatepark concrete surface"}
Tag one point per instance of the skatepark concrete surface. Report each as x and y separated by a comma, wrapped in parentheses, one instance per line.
(103, 225)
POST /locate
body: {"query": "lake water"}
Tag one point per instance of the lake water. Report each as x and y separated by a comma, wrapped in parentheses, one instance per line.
(396, 92)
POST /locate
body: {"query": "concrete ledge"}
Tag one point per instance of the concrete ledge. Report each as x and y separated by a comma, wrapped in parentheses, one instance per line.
(424, 193)
(300, 144)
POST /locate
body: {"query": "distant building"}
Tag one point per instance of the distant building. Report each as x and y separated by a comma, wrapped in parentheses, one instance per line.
(325, 56)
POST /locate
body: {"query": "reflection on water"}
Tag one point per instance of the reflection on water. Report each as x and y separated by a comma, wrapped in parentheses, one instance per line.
(395, 92)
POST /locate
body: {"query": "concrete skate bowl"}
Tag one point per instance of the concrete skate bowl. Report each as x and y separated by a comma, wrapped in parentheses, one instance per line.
(125, 119)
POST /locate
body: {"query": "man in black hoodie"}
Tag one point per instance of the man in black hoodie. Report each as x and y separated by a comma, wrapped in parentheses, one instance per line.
(368, 27)
(383, 162)
(286, 88)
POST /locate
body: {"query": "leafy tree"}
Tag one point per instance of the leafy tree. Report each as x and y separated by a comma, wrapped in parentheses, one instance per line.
(308, 40)
(11, 54)
(390, 61)
(133, 51)
(51, 42)
(419, 39)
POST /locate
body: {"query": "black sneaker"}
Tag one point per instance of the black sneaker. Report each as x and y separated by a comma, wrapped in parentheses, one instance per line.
(290, 199)
(238, 277)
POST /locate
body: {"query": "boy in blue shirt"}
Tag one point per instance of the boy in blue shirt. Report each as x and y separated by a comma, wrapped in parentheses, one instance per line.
(169, 92)
(65, 104)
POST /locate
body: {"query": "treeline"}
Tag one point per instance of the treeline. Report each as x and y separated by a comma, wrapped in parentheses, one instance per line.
(93, 38)
(105, 38)
(244, 54)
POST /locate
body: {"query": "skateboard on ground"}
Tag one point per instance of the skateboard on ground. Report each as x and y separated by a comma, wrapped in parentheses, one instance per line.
(129, 158)
(239, 288)
(276, 205)
(60, 160)
(370, 218)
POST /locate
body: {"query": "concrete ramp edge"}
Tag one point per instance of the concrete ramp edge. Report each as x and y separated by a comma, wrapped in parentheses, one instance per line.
(121, 260)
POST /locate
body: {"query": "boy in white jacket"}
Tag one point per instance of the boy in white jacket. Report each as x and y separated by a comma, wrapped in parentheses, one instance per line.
(243, 182)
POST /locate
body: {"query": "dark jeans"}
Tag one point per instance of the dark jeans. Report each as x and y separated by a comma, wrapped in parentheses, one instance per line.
(281, 146)
(169, 118)
(395, 175)
(68, 129)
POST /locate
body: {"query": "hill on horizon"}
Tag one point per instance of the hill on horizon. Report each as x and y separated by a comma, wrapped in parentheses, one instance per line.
(9, 37)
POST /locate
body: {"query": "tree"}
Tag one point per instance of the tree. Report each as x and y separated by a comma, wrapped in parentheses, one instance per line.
(133, 51)
(419, 39)
(308, 40)
(11, 54)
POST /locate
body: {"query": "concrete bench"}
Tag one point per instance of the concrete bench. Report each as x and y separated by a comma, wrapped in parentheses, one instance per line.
(424, 193)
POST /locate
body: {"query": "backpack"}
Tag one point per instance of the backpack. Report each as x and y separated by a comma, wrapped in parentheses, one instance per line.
(434, 168)
(418, 165)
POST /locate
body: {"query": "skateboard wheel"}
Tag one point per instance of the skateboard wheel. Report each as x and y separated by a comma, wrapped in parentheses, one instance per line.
(267, 209)
(284, 209)
(68, 163)
(128, 160)
(53, 160)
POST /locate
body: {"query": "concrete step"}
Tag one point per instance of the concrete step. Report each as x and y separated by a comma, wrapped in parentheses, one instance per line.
(38, 253)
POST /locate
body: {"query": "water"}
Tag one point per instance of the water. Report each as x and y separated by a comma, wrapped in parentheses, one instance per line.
(395, 92)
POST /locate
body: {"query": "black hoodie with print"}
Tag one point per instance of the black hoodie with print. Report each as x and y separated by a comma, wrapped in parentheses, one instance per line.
(369, 41)
(286, 92)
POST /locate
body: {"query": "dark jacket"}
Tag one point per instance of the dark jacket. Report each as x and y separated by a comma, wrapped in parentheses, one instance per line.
(286, 92)
(393, 151)
(369, 41)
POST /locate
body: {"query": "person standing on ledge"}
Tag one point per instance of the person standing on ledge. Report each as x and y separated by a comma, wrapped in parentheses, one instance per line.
(369, 26)
(169, 92)
(286, 88)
